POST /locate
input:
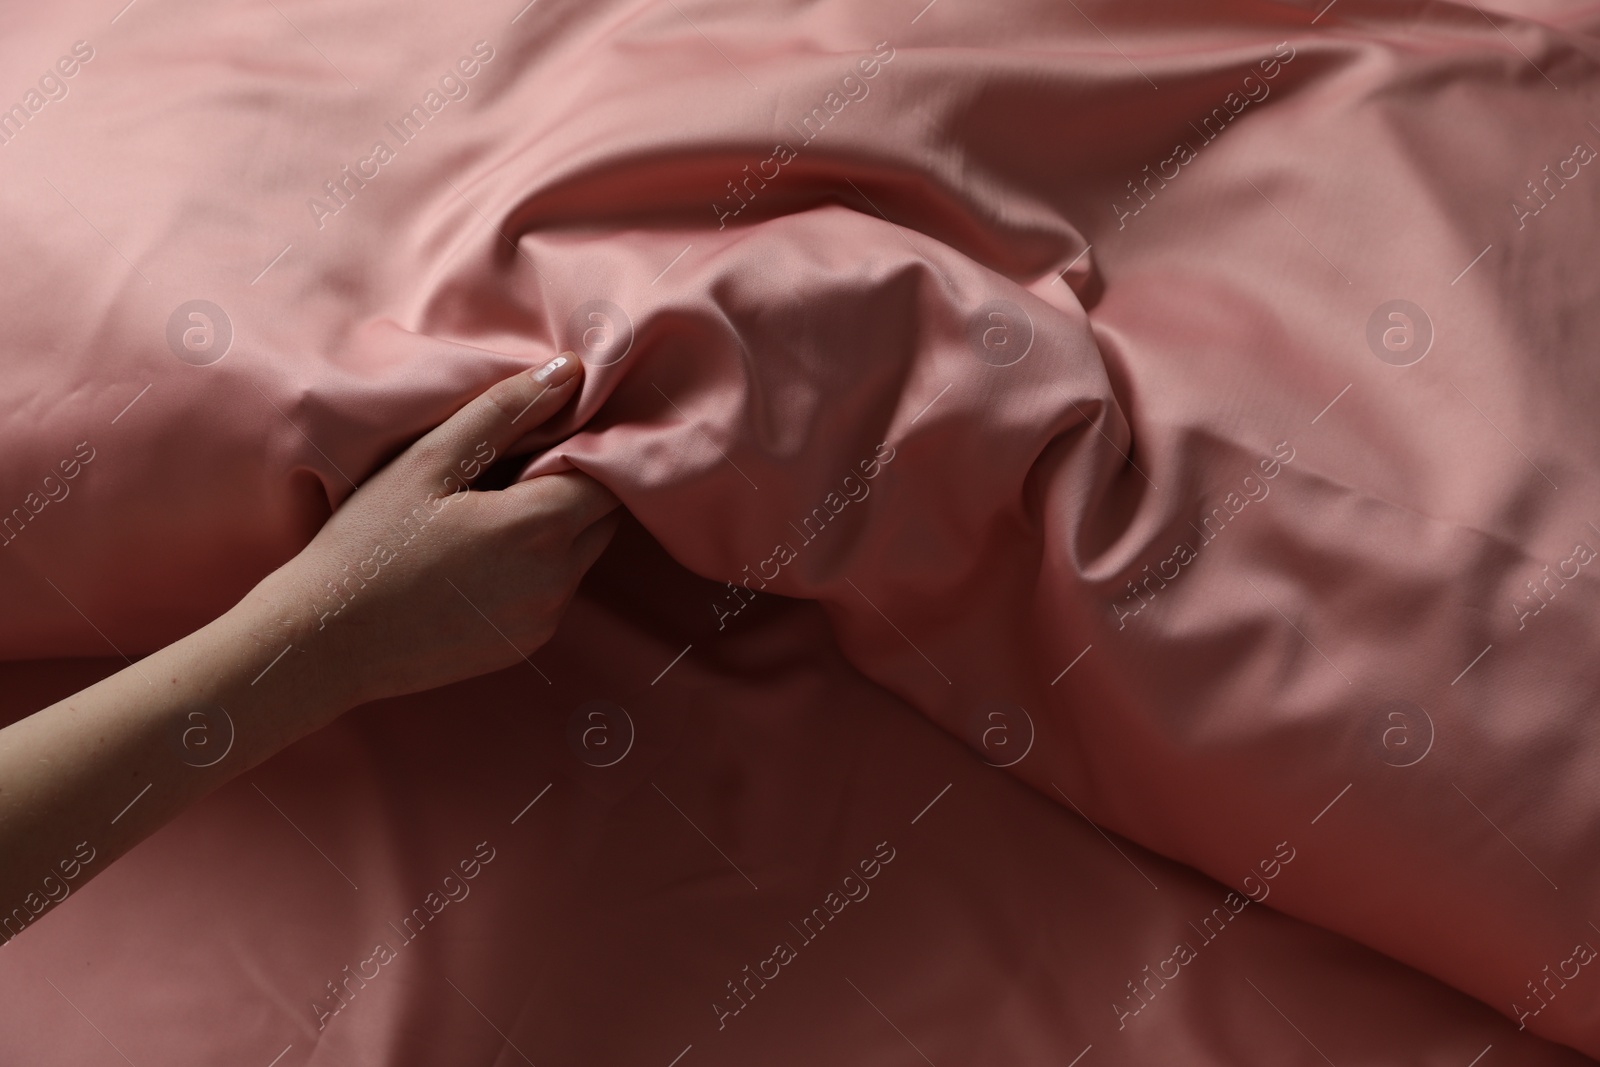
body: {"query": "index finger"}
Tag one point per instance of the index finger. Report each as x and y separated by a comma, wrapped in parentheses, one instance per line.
(466, 443)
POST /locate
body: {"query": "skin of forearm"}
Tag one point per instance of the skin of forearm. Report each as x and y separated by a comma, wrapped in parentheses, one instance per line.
(126, 748)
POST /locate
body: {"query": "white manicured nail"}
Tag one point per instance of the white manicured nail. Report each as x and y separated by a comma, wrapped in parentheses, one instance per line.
(550, 368)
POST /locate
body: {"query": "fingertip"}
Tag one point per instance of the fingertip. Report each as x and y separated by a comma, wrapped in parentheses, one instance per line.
(562, 370)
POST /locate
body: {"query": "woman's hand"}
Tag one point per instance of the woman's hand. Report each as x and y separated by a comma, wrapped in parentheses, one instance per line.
(418, 581)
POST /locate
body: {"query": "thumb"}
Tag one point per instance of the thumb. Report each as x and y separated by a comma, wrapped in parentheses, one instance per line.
(467, 442)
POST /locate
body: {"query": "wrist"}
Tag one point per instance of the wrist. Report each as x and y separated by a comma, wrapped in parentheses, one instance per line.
(286, 658)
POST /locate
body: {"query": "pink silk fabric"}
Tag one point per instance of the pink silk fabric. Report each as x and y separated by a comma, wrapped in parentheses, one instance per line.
(1182, 414)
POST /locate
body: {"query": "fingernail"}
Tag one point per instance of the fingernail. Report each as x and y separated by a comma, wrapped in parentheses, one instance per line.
(559, 371)
(544, 372)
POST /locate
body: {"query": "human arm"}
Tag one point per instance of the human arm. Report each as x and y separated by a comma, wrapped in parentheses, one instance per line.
(416, 581)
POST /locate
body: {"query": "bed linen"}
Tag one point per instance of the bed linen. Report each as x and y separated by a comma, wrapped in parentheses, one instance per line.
(606, 929)
(1183, 409)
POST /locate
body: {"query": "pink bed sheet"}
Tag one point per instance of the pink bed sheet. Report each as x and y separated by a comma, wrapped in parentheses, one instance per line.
(1187, 407)
(763, 772)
